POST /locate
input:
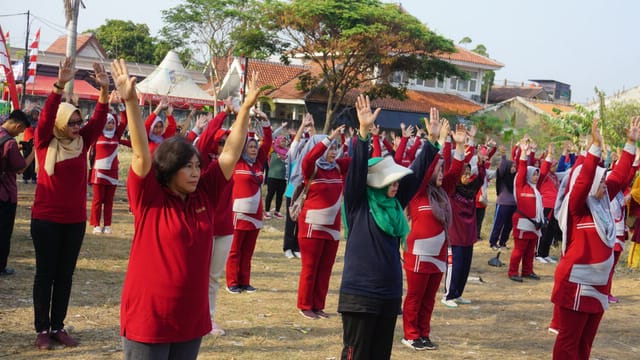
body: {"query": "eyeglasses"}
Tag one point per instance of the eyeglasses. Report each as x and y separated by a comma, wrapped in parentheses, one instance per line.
(74, 123)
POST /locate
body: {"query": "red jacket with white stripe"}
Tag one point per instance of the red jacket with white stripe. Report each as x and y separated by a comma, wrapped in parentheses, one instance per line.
(105, 166)
(582, 280)
(320, 217)
(247, 185)
(526, 203)
(427, 243)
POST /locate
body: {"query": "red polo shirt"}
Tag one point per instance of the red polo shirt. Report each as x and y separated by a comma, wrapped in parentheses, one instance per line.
(165, 294)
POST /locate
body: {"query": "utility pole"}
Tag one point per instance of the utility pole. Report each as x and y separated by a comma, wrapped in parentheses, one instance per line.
(25, 63)
(72, 37)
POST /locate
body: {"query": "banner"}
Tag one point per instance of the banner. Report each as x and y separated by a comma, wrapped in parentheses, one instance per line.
(5, 62)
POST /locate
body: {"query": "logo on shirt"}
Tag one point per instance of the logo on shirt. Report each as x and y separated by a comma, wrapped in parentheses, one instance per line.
(202, 209)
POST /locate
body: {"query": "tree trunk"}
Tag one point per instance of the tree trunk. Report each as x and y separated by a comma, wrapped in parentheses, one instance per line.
(72, 35)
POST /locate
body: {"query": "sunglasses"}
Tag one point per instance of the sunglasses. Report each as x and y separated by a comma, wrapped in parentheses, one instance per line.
(74, 123)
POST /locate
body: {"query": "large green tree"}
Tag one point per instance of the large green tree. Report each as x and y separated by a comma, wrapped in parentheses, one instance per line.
(125, 39)
(211, 29)
(357, 44)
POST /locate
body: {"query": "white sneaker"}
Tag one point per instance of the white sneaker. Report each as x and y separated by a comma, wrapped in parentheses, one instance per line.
(97, 230)
(449, 303)
(462, 301)
(550, 260)
(289, 254)
(216, 330)
(541, 260)
(107, 230)
(297, 254)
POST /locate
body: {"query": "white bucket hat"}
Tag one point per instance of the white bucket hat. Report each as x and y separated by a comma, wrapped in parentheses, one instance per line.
(384, 171)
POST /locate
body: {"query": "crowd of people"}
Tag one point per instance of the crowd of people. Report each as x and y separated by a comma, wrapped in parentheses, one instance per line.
(413, 202)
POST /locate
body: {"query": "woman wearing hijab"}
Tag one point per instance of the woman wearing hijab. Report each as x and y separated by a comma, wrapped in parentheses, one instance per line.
(582, 277)
(104, 173)
(58, 215)
(462, 231)
(527, 219)
(276, 179)
(319, 221)
(248, 176)
(158, 128)
(505, 203)
(376, 192)
(425, 255)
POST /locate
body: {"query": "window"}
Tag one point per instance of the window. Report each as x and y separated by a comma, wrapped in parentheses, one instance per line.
(473, 83)
(430, 83)
(453, 83)
(420, 82)
(398, 77)
(463, 85)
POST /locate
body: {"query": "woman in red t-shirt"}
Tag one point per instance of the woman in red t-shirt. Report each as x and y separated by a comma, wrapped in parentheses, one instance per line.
(164, 308)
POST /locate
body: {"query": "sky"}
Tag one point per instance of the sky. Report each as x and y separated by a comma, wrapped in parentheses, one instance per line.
(585, 43)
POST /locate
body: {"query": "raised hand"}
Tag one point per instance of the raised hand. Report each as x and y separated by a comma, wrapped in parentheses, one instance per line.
(65, 71)
(201, 121)
(125, 85)
(169, 109)
(445, 130)
(634, 129)
(473, 130)
(408, 131)
(253, 91)
(374, 130)
(307, 120)
(100, 75)
(460, 134)
(365, 116)
(336, 132)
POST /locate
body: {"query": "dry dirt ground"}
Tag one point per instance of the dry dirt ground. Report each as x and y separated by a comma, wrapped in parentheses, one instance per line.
(506, 320)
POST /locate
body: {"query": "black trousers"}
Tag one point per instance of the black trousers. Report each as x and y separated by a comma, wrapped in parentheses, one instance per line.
(367, 336)
(275, 187)
(57, 247)
(460, 267)
(480, 211)
(551, 234)
(30, 172)
(7, 219)
(290, 230)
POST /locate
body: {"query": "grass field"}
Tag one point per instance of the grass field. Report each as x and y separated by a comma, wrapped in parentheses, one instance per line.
(506, 320)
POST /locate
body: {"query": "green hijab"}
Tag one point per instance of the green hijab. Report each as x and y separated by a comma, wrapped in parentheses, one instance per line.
(388, 213)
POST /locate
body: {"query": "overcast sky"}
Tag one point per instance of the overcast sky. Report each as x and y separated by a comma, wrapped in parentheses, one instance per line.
(584, 43)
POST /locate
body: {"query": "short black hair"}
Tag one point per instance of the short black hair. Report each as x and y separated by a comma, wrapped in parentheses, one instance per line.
(170, 156)
(20, 117)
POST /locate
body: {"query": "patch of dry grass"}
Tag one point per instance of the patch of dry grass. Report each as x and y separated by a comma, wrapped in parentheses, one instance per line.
(506, 320)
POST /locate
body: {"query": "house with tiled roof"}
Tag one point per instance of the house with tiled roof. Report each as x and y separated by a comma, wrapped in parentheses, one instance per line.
(86, 46)
(529, 113)
(500, 93)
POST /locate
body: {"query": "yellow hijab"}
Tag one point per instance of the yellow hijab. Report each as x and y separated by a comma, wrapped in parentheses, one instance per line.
(61, 147)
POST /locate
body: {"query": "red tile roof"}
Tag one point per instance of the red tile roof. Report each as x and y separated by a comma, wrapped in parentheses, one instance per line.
(270, 73)
(60, 45)
(548, 107)
(467, 56)
(417, 101)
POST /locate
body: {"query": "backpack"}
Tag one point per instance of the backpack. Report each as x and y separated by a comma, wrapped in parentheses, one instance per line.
(3, 140)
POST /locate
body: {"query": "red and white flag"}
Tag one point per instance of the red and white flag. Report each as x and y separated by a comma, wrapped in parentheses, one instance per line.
(33, 59)
(5, 62)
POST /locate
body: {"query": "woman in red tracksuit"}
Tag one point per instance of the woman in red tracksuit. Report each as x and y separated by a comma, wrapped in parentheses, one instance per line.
(319, 221)
(104, 173)
(582, 277)
(529, 211)
(157, 128)
(248, 176)
(425, 255)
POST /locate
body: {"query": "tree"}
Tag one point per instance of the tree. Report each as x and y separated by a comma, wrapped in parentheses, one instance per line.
(358, 44)
(211, 29)
(125, 39)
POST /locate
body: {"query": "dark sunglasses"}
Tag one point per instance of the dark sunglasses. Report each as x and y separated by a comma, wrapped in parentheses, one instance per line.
(74, 123)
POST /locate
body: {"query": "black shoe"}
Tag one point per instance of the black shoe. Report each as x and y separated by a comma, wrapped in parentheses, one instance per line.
(234, 289)
(516, 278)
(248, 288)
(416, 344)
(7, 272)
(532, 276)
(426, 342)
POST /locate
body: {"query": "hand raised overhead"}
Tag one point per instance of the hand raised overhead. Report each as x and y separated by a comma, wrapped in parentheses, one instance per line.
(126, 85)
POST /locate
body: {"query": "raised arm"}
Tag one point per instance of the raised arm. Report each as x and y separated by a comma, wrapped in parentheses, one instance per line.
(236, 139)
(126, 85)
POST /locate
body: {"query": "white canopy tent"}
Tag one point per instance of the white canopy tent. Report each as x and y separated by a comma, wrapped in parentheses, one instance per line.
(170, 79)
